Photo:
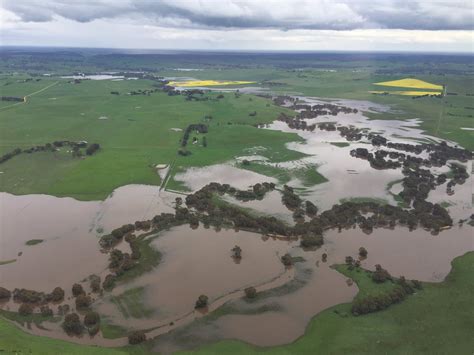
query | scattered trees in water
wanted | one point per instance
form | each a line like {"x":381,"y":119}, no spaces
{"x":137,"y":337}
{"x":201,"y":302}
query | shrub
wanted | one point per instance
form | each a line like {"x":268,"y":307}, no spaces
{"x":25,"y":309}
{"x":250,"y":292}
{"x":72,"y":324}
{"x":201,"y":301}
{"x":136,"y":337}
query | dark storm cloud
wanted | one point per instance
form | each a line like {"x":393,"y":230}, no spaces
{"x":279,"y":14}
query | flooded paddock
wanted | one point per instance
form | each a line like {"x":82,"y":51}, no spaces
{"x":69,"y":229}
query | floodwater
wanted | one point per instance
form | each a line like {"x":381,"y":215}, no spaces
{"x":70,"y":230}
{"x":199,"y":262}
{"x":196,"y":178}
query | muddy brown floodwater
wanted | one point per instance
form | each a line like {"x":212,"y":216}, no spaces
{"x":69,"y":229}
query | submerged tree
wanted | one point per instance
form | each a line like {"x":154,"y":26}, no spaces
{"x":202,"y":301}
{"x":237,"y":252}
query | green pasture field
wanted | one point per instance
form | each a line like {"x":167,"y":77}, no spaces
{"x":135,"y":134}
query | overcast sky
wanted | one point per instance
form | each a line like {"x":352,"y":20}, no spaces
{"x":393,"y":25}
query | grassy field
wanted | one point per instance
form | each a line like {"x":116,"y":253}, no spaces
{"x":135,"y":134}
{"x":437,"y":320}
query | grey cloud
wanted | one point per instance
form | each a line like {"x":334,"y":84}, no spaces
{"x":279,"y":14}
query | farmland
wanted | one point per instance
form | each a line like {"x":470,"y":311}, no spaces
{"x":228,"y":203}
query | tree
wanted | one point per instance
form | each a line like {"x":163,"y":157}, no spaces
{"x":380,"y":275}
{"x":77,"y":290}
{"x":91,"y":318}
{"x":202,"y":301}
{"x":4,"y":294}
{"x":83,"y":301}
{"x":92,"y":148}
{"x":109,"y":282}
{"x":363,"y":252}
{"x":237,"y":252}
{"x":250,"y":292}
{"x":72,"y":324}
{"x":324,"y":257}
{"x":46,"y":311}
{"x":349,"y":260}
{"x":57,"y":295}
{"x":95,"y":283}
{"x":137,"y":337}
{"x":287,"y":260}
{"x":311,"y":209}
{"x":25,"y":309}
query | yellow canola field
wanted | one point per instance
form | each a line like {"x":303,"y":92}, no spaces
{"x":411,"y":83}
{"x":207,"y":83}
{"x":407,"y":93}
